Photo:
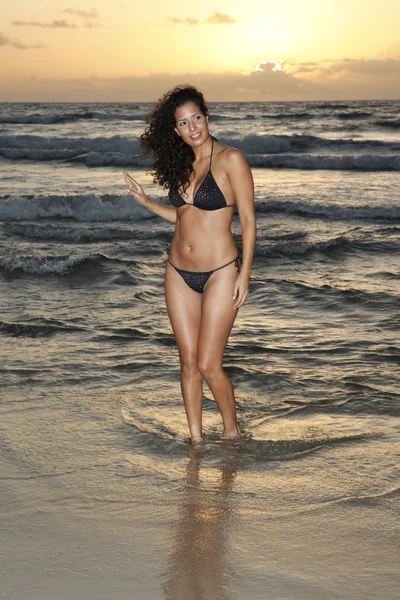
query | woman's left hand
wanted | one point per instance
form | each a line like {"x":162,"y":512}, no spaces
{"x":240,"y":290}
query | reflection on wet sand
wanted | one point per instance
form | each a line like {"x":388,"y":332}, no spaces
{"x":199,"y":562}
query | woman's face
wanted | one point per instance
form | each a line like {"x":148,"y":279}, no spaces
{"x":191,"y":124}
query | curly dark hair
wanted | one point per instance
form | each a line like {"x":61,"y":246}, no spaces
{"x":172,"y":157}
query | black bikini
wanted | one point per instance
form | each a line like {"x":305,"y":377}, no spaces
{"x":207,"y":197}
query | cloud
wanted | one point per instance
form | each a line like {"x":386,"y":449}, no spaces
{"x":221,"y":19}
{"x":184,"y":21}
{"x":91,"y":25}
{"x":61,"y":24}
{"x":6,"y":41}
{"x":86,"y":14}
{"x":272,"y":65}
{"x":351,"y":67}
{"x":362,"y":66}
{"x":215,"y":19}
{"x":271,"y":80}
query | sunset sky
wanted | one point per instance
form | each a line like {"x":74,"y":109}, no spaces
{"x":90,"y":50}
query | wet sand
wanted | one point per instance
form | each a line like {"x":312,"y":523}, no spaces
{"x":83,"y":521}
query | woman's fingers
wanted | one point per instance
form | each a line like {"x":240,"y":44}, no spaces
{"x":132,"y":183}
{"x":241,"y":296}
{"x":128,"y":177}
{"x":135,"y":189}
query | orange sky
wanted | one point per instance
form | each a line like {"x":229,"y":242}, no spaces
{"x":257,"y":50}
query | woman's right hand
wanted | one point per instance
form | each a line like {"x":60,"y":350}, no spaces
{"x":135,"y":189}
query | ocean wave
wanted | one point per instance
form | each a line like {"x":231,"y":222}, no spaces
{"x":391,"y":124}
{"x":366,"y":162}
{"x":106,"y":208}
{"x":340,"y":242}
{"x":83,"y":235}
{"x":61,"y":265}
{"x":331,"y":211}
{"x":36,"y":329}
{"x":298,"y":248}
{"x":90,"y":159}
{"x":121,"y":150}
{"x":115,"y":143}
{"x":329,"y":106}
{"x":48,"y":265}
{"x":349,"y":294}
{"x":80,"y":208}
{"x":355,"y":114}
{"x":51,"y":119}
{"x":290,"y":115}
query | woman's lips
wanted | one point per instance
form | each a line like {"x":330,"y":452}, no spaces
{"x":195,"y":136}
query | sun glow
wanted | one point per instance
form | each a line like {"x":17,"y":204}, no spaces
{"x":128,"y":50}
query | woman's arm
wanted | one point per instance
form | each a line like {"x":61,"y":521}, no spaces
{"x":243,"y":186}
{"x":136,"y":190}
{"x":165,"y":212}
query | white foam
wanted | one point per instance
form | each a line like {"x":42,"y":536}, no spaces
{"x":80,"y":207}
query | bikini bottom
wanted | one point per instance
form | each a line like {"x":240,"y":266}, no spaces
{"x":196,"y":280}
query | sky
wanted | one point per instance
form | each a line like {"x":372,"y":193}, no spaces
{"x":132,"y":51}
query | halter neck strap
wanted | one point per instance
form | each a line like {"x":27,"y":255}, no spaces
{"x":212,"y":148}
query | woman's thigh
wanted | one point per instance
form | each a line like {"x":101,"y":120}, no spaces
{"x":184,"y":311}
{"x":218,"y":316}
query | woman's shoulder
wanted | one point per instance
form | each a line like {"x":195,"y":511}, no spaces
{"x":230,"y":156}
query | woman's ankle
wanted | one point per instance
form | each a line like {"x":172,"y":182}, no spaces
{"x":231,"y":433}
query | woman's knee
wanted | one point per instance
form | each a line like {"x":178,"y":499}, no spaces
{"x":209,"y":369}
{"x":189,"y":365}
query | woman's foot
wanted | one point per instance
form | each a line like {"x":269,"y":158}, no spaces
{"x":235,"y":435}
{"x":196,"y":440}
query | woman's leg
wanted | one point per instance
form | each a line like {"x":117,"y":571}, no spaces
{"x":218,"y":316}
{"x":184,"y":311}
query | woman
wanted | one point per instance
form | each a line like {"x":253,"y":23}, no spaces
{"x":204,"y":285}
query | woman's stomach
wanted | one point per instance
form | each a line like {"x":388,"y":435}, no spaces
{"x":202,"y":239}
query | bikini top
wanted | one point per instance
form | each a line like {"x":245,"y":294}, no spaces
{"x":208,"y":195}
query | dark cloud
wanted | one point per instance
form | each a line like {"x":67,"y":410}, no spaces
{"x":215,"y":19}
{"x":91,"y":25}
{"x":221,"y":19}
{"x":6,"y":41}
{"x":184,"y":21}
{"x":60,"y":24}
{"x":86,"y":14}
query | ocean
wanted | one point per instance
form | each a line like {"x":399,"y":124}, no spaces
{"x":102,"y":495}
